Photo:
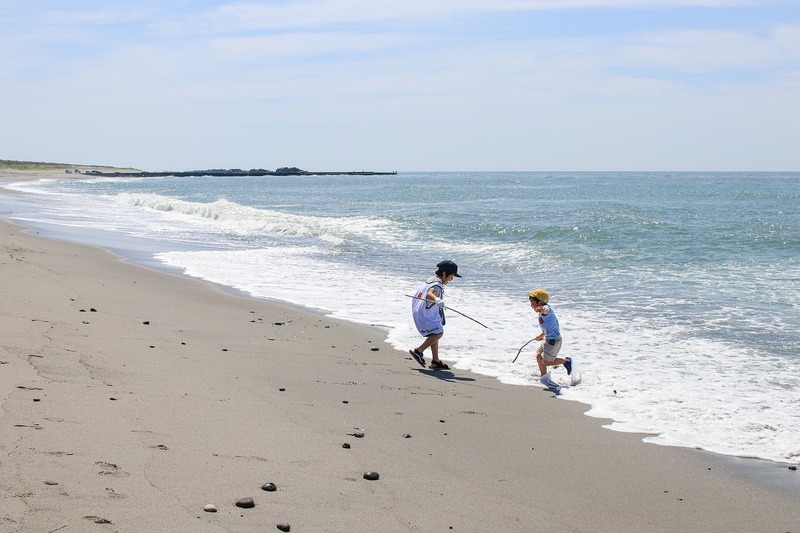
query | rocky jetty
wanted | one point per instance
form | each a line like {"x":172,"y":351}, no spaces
{"x":220,"y":172}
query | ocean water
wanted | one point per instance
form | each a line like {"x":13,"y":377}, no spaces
{"x":678,"y":294}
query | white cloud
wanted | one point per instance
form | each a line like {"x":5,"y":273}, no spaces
{"x":703,"y":51}
{"x":258,"y":16}
{"x":308,"y":44}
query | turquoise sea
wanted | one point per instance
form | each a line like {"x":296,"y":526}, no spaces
{"x":678,"y":294}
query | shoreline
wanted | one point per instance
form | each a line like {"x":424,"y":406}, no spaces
{"x":143,"y":424}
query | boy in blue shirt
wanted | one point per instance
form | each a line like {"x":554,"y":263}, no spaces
{"x":547,"y":354}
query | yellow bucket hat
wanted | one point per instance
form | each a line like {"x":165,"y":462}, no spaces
{"x":539,"y":294}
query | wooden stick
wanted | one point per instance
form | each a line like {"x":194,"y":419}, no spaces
{"x":451,"y":309}
{"x":520,"y":349}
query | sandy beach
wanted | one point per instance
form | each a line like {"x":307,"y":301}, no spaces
{"x":132,"y":398}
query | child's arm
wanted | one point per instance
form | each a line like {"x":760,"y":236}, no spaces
{"x":543,"y":309}
{"x":433,"y":297}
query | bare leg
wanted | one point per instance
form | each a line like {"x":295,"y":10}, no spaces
{"x":543,"y":363}
{"x":435,"y":349}
{"x":542,"y":367}
{"x":432,"y":342}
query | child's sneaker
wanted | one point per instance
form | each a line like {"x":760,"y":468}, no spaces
{"x":568,"y":365}
{"x":418,"y":357}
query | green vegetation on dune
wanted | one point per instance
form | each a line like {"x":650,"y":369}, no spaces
{"x":7,"y":164}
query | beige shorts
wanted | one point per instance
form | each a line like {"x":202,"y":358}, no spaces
{"x":549,"y":349}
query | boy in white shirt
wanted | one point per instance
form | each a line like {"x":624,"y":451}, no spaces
{"x":427,"y":308}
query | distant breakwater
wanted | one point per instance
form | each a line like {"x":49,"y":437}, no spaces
{"x":235,"y":172}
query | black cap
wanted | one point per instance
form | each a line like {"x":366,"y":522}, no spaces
{"x":448,"y":267}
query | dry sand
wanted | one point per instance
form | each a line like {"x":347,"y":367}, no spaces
{"x":132,"y":398}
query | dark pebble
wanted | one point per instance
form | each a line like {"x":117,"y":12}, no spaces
{"x":245,"y":503}
{"x":407,"y":436}
{"x":793,"y":467}
{"x":279,"y":323}
{"x":269,"y":487}
{"x":345,"y":401}
{"x":37,"y":400}
{"x":374,"y":348}
{"x":346,"y":445}
{"x":224,"y":349}
{"x":146,"y":322}
{"x":372,"y":476}
{"x":282,"y":389}
{"x":284,"y":527}
{"x":93,"y":310}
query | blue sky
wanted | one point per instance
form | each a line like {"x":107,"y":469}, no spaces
{"x":403,"y":85}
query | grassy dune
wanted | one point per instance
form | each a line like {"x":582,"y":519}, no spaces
{"x":32,"y":166}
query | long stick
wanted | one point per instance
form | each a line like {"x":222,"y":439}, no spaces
{"x":450,"y":309}
{"x":520,"y":349}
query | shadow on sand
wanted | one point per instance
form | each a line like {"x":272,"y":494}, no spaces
{"x":444,"y":375}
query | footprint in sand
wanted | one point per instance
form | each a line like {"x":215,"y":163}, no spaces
{"x":110,"y":469}
{"x":98,"y":519}
{"x":114,"y":494}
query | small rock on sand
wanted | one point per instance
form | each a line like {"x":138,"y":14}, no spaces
{"x":284,"y":527}
{"x":210,"y":508}
{"x":372,"y":476}
{"x":245,"y":503}
{"x":269,"y":487}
